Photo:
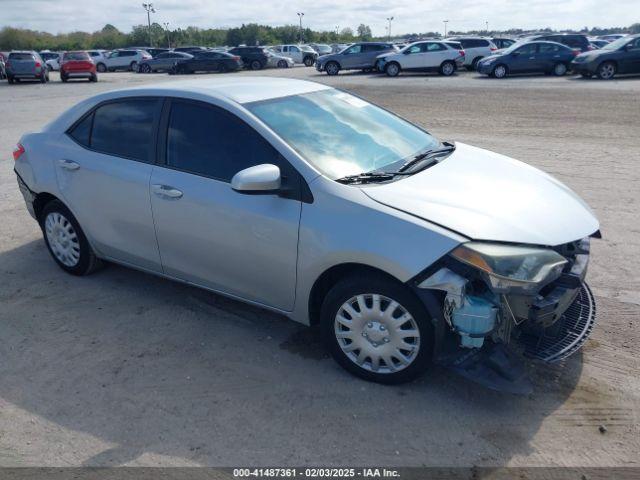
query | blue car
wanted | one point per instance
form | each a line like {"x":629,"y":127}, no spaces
{"x":531,"y":57}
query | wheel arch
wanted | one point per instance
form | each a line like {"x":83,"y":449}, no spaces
{"x":41,"y":200}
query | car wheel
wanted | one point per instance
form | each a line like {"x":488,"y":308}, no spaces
{"x":607,"y":70}
{"x":282,"y":64}
{"x":64,"y":78}
{"x":49,"y":67}
{"x":93,"y":78}
{"x":133,"y":66}
{"x":447,"y":69}
{"x":559,"y":69}
{"x":474,"y":64}
{"x":43,"y":78}
{"x":308,"y":61}
{"x":223,"y":68}
{"x":377,"y":329}
{"x":10,"y":80}
{"x":500,"y":71}
{"x":332,"y":68}
{"x":144,"y":68}
{"x":66,"y":241}
{"x":101,"y":67}
{"x":392,"y":69}
{"x":256,"y":65}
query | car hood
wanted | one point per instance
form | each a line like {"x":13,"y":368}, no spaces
{"x":486,"y":196}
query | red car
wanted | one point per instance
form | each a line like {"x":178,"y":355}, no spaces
{"x":77,"y":65}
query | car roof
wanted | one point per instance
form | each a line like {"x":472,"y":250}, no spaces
{"x":237,"y":89}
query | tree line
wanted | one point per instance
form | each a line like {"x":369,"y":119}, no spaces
{"x":109,"y":37}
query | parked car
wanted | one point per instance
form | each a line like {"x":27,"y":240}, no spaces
{"x":502,"y":42}
{"x":77,"y":65}
{"x":430,"y":56}
{"x":596,"y":43}
{"x":303,"y":54}
{"x":163,"y":62}
{"x":154,"y":52}
{"x":3,"y":72}
{"x":26,"y":65}
{"x":321,"y":48}
{"x":619,"y":56}
{"x":612,"y":37}
{"x":359,"y":56}
{"x":464,"y":247}
{"x":576,"y":41}
{"x":255,"y":58}
{"x":51,"y":59}
{"x":209,"y":62}
{"x":475,"y":48}
{"x":278,"y":60}
{"x":125,"y":59}
{"x":189,"y":49}
{"x":532,"y":57}
{"x":98,"y":57}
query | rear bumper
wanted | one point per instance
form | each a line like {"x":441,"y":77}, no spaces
{"x":86,"y":74}
{"x":28,"y":195}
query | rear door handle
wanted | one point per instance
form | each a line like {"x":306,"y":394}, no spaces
{"x":68,"y":165}
{"x":166,"y":191}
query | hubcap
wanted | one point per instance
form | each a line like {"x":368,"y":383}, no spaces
{"x":499,"y":72}
{"x":377,"y":333}
{"x":332,"y":69}
{"x":447,"y":69}
{"x":62,"y":239}
{"x":560,"y":69}
{"x":607,"y":71}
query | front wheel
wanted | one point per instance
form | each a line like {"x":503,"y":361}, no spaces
{"x":607,"y":71}
{"x":308,"y":61}
{"x":500,"y":71}
{"x":392,"y":69}
{"x":332,"y":68}
{"x":145,"y":68}
{"x":282,"y":64}
{"x":447,"y":69}
{"x":377,"y":329}
{"x":101,"y":67}
{"x":66,"y":241}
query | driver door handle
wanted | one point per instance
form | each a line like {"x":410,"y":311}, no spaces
{"x":68,"y":164}
{"x":165,"y":191}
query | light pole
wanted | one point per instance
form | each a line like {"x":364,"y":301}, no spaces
{"x":300,"y":15}
{"x":389,"y":31}
{"x":149,"y":8}
{"x":487,"y":24}
{"x":166,"y":27}
{"x":445,"y":27}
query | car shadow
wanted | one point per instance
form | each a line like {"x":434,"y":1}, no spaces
{"x":149,"y":367}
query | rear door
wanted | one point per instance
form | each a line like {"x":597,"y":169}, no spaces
{"x":103,"y":170}
{"x":434,"y":54}
{"x":209,"y":234}
{"x":630,"y":58}
{"x":549,"y":55}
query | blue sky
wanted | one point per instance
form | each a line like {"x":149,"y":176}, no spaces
{"x":410,"y":15}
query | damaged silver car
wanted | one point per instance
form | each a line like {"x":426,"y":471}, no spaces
{"x":314,"y":203}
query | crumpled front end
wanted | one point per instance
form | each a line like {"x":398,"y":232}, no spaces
{"x":503,"y":303}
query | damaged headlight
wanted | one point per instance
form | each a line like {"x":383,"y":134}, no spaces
{"x":510,"y":268}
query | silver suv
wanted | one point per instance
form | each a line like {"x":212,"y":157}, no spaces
{"x":359,"y":56}
{"x":403,"y":249}
{"x":475,"y":49}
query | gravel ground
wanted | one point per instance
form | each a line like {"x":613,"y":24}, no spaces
{"x":123,"y":368}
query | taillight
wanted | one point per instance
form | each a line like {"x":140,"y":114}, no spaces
{"x":576,"y":52}
{"x":38,"y":64}
{"x":236,"y":58}
{"x":461,"y":52}
{"x":493,"y":49}
{"x":18,"y":150}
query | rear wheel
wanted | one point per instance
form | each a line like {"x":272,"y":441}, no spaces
{"x":308,"y":61}
{"x":392,"y":69}
{"x":447,"y":68}
{"x":64,"y":78}
{"x":607,"y":71}
{"x":282,"y":64}
{"x":500,"y":71}
{"x":43,"y":77}
{"x":377,"y":329}
{"x":223,"y":68}
{"x":133,"y":66}
{"x":93,"y":78}
{"x":256,"y":65}
{"x":559,"y":69}
{"x":66,"y":241}
{"x":332,"y":68}
{"x":145,"y":68}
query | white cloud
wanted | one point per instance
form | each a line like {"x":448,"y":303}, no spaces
{"x":410,"y":15}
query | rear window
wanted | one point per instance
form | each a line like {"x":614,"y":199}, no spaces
{"x":21,"y":56}
{"x":474,"y":43}
{"x":76,"y":56}
{"x":456,"y":45}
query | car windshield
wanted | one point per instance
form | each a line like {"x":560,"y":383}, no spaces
{"x":616,"y":44}
{"x":340,"y":134}
{"x":76,"y":56}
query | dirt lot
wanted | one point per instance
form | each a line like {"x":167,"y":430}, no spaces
{"x":122,"y":368}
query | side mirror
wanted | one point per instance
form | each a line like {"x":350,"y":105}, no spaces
{"x":264,"y":179}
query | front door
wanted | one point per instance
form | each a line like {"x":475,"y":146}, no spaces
{"x":209,"y":234}
{"x":630,"y":59}
{"x":104,"y":178}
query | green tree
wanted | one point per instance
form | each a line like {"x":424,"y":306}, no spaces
{"x":364,"y":32}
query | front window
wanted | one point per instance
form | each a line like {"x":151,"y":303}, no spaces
{"x":621,"y":42}
{"x":340,"y":134}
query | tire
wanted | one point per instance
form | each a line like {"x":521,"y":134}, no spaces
{"x":283,"y":64}
{"x":392,"y":69}
{"x":256,"y":65}
{"x":308,"y":61}
{"x":49,"y":67}
{"x":66,"y":241}
{"x":133,"y":66}
{"x":223,"y":68}
{"x":447,"y":68}
{"x":559,"y":69}
{"x":64,"y":78}
{"x":500,"y":71}
{"x":144,"y":68}
{"x":332,"y":68}
{"x":10,"y":80}
{"x":101,"y":67}
{"x":43,"y":78}
{"x":376,"y":336}
{"x":474,"y":64}
{"x":607,"y":70}
{"x":93,"y":78}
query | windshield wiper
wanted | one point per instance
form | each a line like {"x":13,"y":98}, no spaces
{"x":429,"y":154}
{"x":367,"y":177}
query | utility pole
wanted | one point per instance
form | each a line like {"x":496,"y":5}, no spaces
{"x":300,"y":15}
{"x":445,"y":27}
{"x":487,"y":24}
{"x":166,"y":27}
{"x":149,"y":8}
{"x":389,"y":31}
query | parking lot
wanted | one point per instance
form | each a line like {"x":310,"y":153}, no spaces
{"x":124,"y":368}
